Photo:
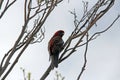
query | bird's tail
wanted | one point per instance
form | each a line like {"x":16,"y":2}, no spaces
{"x":54,"y":61}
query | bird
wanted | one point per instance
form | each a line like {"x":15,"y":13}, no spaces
{"x":55,"y":46}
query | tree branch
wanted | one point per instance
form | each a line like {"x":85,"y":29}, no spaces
{"x":6,"y":6}
{"x":85,"y":58}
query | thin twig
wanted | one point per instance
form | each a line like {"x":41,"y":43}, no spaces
{"x":85,"y":58}
{"x":6,"y":7}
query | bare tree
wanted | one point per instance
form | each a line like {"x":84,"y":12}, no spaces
{"x":40,"y":12}
{"x":34,"y":34}
{"x":81,"y":31}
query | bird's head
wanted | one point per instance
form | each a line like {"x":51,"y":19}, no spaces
{"x":59,"y":33}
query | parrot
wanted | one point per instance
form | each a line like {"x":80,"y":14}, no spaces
{"x":55,"y":46}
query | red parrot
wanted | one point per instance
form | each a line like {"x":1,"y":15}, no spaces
{"x":55,"y":46}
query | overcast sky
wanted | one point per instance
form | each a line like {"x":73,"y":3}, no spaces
{"x":103,"y":53}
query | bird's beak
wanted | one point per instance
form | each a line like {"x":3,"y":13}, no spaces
{"x":63,"y":33}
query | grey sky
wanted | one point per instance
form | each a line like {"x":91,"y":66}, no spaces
{"x":103,"y":53}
